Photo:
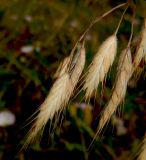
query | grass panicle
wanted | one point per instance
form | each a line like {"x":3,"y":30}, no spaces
{"x":100,"y":65}
{"x":69,"y":72}
{"x":67,"y":77}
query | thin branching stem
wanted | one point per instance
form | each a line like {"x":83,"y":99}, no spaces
{"x":131,"y":34}
{"x":99,"y":18}
{"x":132,"y":26}
{"x":92,"y":24}
{"x":121,"y":20}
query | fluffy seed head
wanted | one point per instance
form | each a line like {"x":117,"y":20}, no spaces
{"x":58,"y":97}
{"x":100,"y":65}
{"x":125,"y":71}
{"x":60,"y":92}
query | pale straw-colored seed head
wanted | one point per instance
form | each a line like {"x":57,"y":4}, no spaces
{"x":58,"y":97}
{"x":100,"y":65}
{"x":125,"y":71}
{"x":59,"y":94}
{"x":142,"y":155}
{"x":125,"y":61}
{"x":141,"y":48}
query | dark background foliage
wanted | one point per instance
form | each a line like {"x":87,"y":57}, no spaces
{"x":35,"y":36}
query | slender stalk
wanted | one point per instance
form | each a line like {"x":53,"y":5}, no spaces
{"x":132,"y":26}
{"x":99,"y":18}
{"x":121,"y":20}
{"x":131,"y":34}
{"x":92,"y":24}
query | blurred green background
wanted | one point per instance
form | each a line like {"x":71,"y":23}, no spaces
{"x":35,"y":36}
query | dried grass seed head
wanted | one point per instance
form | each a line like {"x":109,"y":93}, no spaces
{"x":100,"y":65}
{"x":58,"y":97}
{"x":125,"y":71}
{"x":59,"y":94}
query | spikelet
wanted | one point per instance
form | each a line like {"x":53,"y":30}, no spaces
{"x":125,"y":70}
{"x":141,"y":48}
{"x":55,"y":101}
{"x":62,"y":67}
{"x":142,"y":155}
{"x":100,"y":65}
{"x":59,"y":94}
{"x":77,"y":64}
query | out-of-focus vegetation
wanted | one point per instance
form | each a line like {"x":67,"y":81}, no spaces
{"x":34,"y":37}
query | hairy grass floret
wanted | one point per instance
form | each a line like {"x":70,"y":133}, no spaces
{"x":100,"y":65}
{"x":60,"y":92}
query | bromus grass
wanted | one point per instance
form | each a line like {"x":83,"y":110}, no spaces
{"x":69,"y":72}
